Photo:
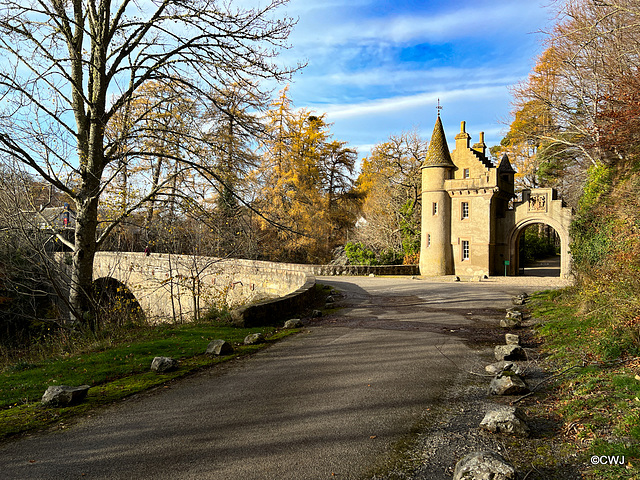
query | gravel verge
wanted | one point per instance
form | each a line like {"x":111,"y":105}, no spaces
{"x":450,"y":431}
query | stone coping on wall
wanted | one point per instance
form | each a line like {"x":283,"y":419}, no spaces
{"x":269,"y":312}
{"x":330,"y":270}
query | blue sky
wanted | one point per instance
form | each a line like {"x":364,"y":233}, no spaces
{"x":377,"y":67}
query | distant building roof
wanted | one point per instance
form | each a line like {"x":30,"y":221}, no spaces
{"x":55,"y":217}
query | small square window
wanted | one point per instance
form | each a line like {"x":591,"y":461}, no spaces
{"x":435,"y":208}
{"x":465,"y":173}
{"x":465,"y":210}
{"x":465,"y":250}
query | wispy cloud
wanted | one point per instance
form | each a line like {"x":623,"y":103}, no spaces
{"x":469,"y":22}
{"x":396,"y":104}
{"x":419,"y":79}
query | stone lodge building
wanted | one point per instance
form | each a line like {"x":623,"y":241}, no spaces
{"x":469,"y":227}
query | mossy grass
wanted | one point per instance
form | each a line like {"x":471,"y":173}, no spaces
{"x":115,"y":367}
{"x":598,"y":402}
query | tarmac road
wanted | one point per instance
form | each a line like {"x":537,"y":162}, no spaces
{"x":328,"y":403}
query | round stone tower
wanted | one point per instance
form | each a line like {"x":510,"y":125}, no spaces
{"x":435,"y":246}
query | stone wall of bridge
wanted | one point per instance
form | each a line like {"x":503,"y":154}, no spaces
{"x":174,"y":286}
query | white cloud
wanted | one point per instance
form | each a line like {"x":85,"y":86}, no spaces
{"x":412,"y":80}
{"x":400,"y":103}
{"x":420,"y":26}
{"x":364,"y":149}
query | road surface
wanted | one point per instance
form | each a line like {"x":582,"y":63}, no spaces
{"x":328,"y":403}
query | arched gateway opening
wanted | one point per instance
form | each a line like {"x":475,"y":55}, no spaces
{"x":549,"y":258}
{"x":116,"y":304}
{"x":539,"y":251}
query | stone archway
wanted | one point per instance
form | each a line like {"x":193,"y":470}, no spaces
{"x":519,"y":228}
{"x":540,"y":205}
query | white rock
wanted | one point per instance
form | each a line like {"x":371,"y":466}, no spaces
{"x":509,"y":420}
{"x":163,"y":364}
{"x":483,"y":465}
{"x":293,"y":323}
{"x":253,"y":339}
{"x":502,"y":366}
{"x":64,"y":395}
{"x":508,"y":383}
{"x":509,"y":352}
{"x":219,"y":347}
{"x":512,"y":339}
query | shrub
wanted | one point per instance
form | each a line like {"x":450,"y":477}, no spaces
{"x":359,"y":254}
{"x":390,"y":257}
{"x":26,"y":304}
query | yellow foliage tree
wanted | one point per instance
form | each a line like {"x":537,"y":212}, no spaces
{"x":390,"y":184}
{"x":303,"y":179}
{"x":158,"y":128}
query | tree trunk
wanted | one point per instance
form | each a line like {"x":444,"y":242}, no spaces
{"x":80,"y":295}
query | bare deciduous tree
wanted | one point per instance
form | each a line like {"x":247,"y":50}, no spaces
{"x":587,"y":80}
{"x":71,"y":66}
{"x":391,"y":181}
{"x":31,"y":228}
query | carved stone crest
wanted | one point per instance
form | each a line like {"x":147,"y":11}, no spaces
{"x":538,"y":203}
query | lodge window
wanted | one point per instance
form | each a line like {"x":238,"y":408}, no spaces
{"x":465,"y":250}
{"x":465,"y":173}
{"x":435,"y":208}
{"x":465,"y":210}
{"x":428,"y":240}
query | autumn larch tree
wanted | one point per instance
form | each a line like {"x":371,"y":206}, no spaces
{"x":303,"y":185}
{"x":70,"y":66}
{"x":235,"y":126}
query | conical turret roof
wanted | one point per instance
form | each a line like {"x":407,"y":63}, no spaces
{"x":438,"y":154}
{"x":505,"y":165}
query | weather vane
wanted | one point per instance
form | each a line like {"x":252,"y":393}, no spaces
{"x":439,"y":107}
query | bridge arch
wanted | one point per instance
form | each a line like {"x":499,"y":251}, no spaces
{"x":117,"y":305}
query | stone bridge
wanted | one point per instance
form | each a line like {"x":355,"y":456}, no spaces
{"x":174,"y":287}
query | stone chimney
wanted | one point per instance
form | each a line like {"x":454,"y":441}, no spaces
{"x":480,"y":147}
{"x":462,"y":139}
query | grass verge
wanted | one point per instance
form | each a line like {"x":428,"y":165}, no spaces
{"x":114,"y":368}
{"x":597,"y":401}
